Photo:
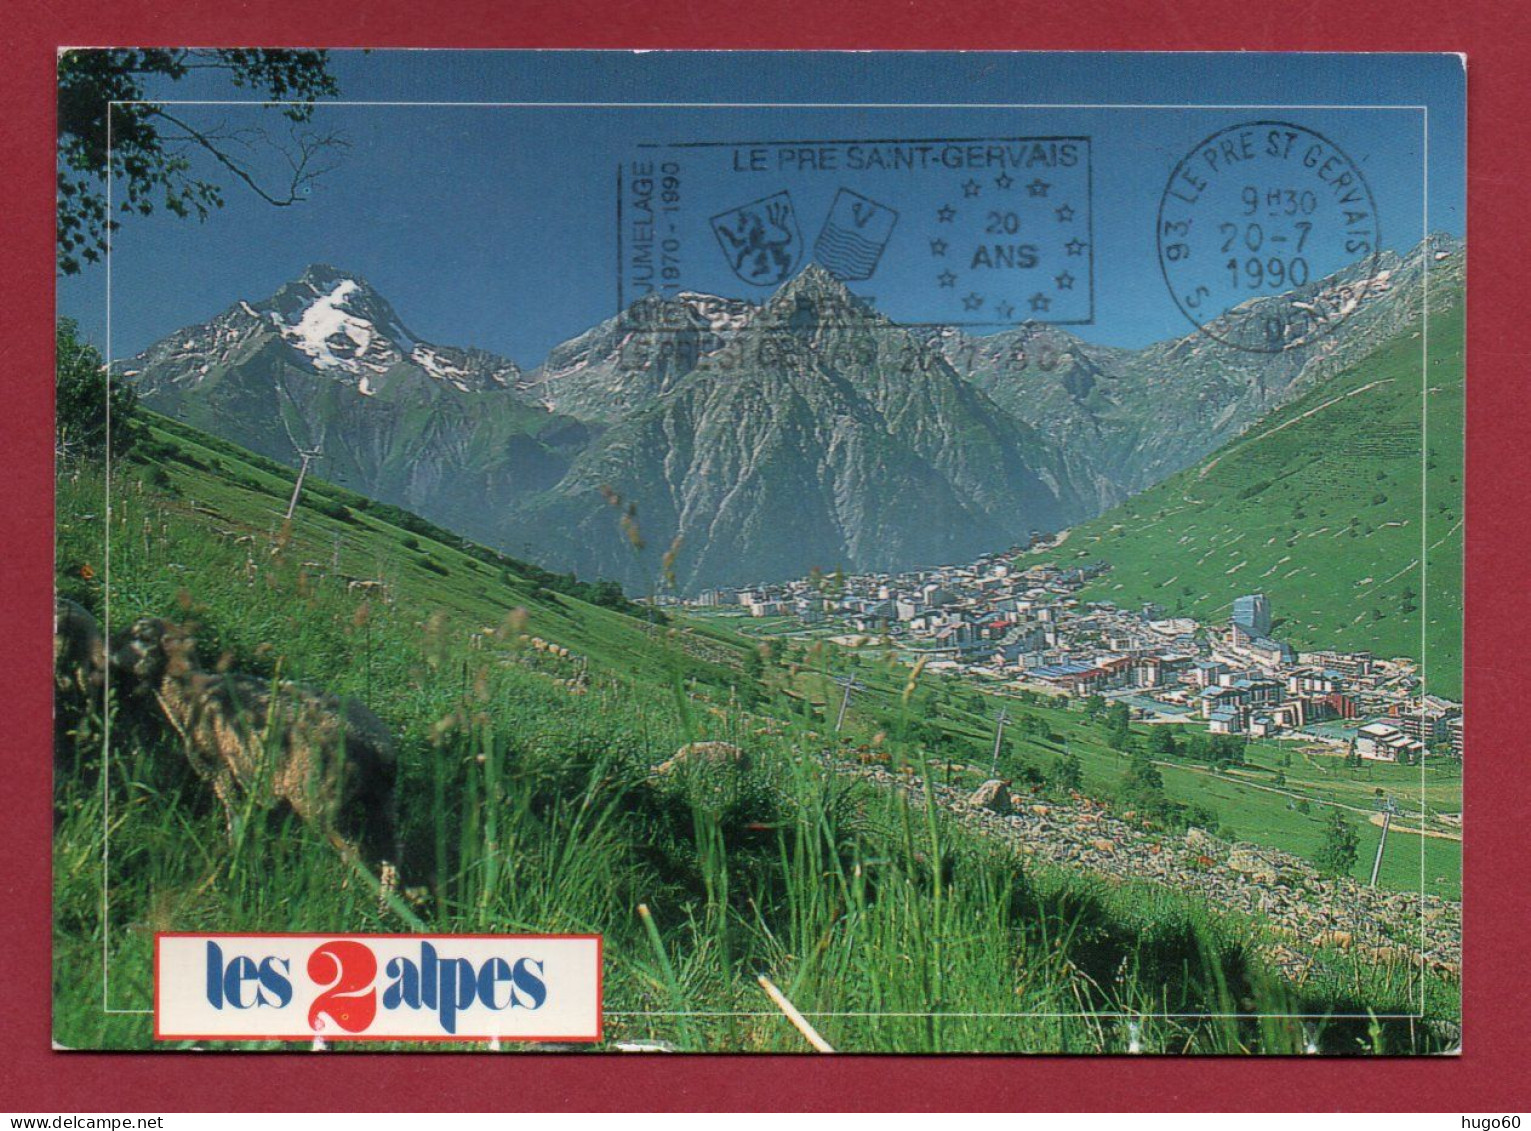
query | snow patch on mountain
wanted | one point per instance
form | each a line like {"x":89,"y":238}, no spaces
{"x":336,"y":326}
{"x":432,"y":362}
{"x":325,"y":326}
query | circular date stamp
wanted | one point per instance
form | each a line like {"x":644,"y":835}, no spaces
{"x":1260,"y":210}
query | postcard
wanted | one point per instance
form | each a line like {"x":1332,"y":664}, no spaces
{"x":765,"y":552}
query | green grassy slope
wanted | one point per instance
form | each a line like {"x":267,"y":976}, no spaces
{"x":1333,"y":506}
{"x":1248,"y":801}
{"x":208,"y":540}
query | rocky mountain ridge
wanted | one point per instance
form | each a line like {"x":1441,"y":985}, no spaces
{"x":768,"y":437}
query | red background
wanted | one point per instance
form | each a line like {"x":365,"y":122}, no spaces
{"x":1497,"y":39}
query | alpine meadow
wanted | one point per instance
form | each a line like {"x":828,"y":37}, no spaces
{"x":532,"y":710}
{"x":954,"y":600}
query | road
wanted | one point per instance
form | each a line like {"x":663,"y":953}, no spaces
{"x":1369,"y":813}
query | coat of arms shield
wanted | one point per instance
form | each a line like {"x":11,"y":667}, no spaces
{"x":760,"y":240}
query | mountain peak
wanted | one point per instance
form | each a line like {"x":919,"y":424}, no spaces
{"x":341,"y":328}
{"x":323,"y":274}
{"x":1440,"y":245}
{"x":337,"y":320}
{"x":815,"y":298}
{"x":818,"y":281}
{"x":321,"y":282}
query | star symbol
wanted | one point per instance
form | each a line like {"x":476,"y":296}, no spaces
{"x":938,"y":247}
{"x":970,"y":187}
{"x":945,"y":213}
{"x":1040,"y":301}
{"x":1038,"y":187}
{"x":1004,"y":310}
{"x":1076,"y":246}
{"x":1004,"y":180}
{"x":947,"y":278}
{"x":1065,"y":213}
{"x":972,"y":301}
{"x":1065,"y":281}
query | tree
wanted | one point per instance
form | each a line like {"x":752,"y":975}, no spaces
{"x":1337,"y":854}
{"x":1161,"y":741}
{"x":1030,"y":776}
{"x":1228,"y":748}
{"x":82,"y":393}
{"x":1030,"y":726}
{"x":1118,"y":725}
{"x":1068,"y":774}
{"x":607,"y":593}
{"x":1143,"y":781}
{"x":1203,"y":817}
{"x":1197,"y":745}
{"x":105,"y":119}
{"x":1142,"y":790}
{"x":754,"y":664}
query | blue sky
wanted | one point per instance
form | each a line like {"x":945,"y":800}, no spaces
{"x":497,"y":226}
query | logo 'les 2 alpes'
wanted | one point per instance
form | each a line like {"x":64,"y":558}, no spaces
{"x":350,"y":969}
{"x":373,"y":987}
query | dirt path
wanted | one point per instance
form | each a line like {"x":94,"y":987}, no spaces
{"x":1240,"y":780}
{"x":1370,"y":814}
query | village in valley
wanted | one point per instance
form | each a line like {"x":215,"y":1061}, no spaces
{"x":1024,"y":627}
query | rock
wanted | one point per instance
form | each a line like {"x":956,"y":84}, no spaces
{"x":993,"y":795}
{"x":1292,"y":963}
{"x":1305,"y":911}
{"x":722,"y":754}
{"x":1202,"y":842}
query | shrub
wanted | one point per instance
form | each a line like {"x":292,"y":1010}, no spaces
{"x":1337,"y":855}
{"x":1068,"y":773}
{"x":82,"y":393}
